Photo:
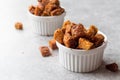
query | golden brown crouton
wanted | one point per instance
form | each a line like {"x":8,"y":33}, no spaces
{"x":44,"y":2}
{"x":18,"y":25}
{"x":91,"y":32}
{"x":45,"y":13}
{"x":32,"y":9}
{"x":55,"y":2}
{"x":66,"y":23}
{"x":85,"y":44}
{"x":41,"y":6}
{"x":69,"y":41}
{"x":69,"y":27}
{"x":45,"y":51}
{"x":58,"y":35}
{"x":52,"y":44}
{"x":39,"y":0}
{"x":38,"y":11}
{"x":57,"y":11}
{"x":49,"y":7}
{"x":98,"y":39}
{"x":78,"y":31}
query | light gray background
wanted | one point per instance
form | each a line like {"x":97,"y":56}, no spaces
{"x":20,"y":58}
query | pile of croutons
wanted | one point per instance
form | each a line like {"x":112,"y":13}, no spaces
{"x":47,"y":8}
{"x":76,"y":36}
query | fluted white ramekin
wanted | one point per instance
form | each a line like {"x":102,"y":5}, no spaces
{"x":81,"y":60}
{"x":46,"y":25}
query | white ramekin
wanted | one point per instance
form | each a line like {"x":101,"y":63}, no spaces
{"x":81,"y":60}
{"x":46,"y":25}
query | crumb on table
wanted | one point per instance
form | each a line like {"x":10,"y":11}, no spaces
{"x":18,"y":25}
{"x":45,"y":52}
{"x":112,"y":67}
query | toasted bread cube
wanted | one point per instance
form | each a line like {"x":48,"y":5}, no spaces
{"x":40,"y":5}
{"x":112,"y":67}
{"x":98,"y":39}
{"x":52,"y":44}
{"x":38,"y":11}
{"x":65,"y":24}
{"x":32,"y":9}
{"x":57,"y":11}
{"x":57,"y":2}
{"x":45,"y":52}
{"x":49,"y":7}
{"x":85,"y":44}
{"x":58,"y":35}
{"x":44,"y":2}
{"x":45,"y":13}
{"x":91,"y":32}
{"x":69,"y":27}
{"x":18,"y":25}
{"x":39,"y":0}
{"x":78,"y":31}
{"x":69,"y":41}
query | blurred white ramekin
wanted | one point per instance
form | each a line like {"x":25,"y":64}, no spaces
{"x":46,"y":25}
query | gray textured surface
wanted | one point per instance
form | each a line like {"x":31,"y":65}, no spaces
{"x":19,"y":55}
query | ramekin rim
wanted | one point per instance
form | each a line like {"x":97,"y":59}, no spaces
{"x":63,"y":14}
